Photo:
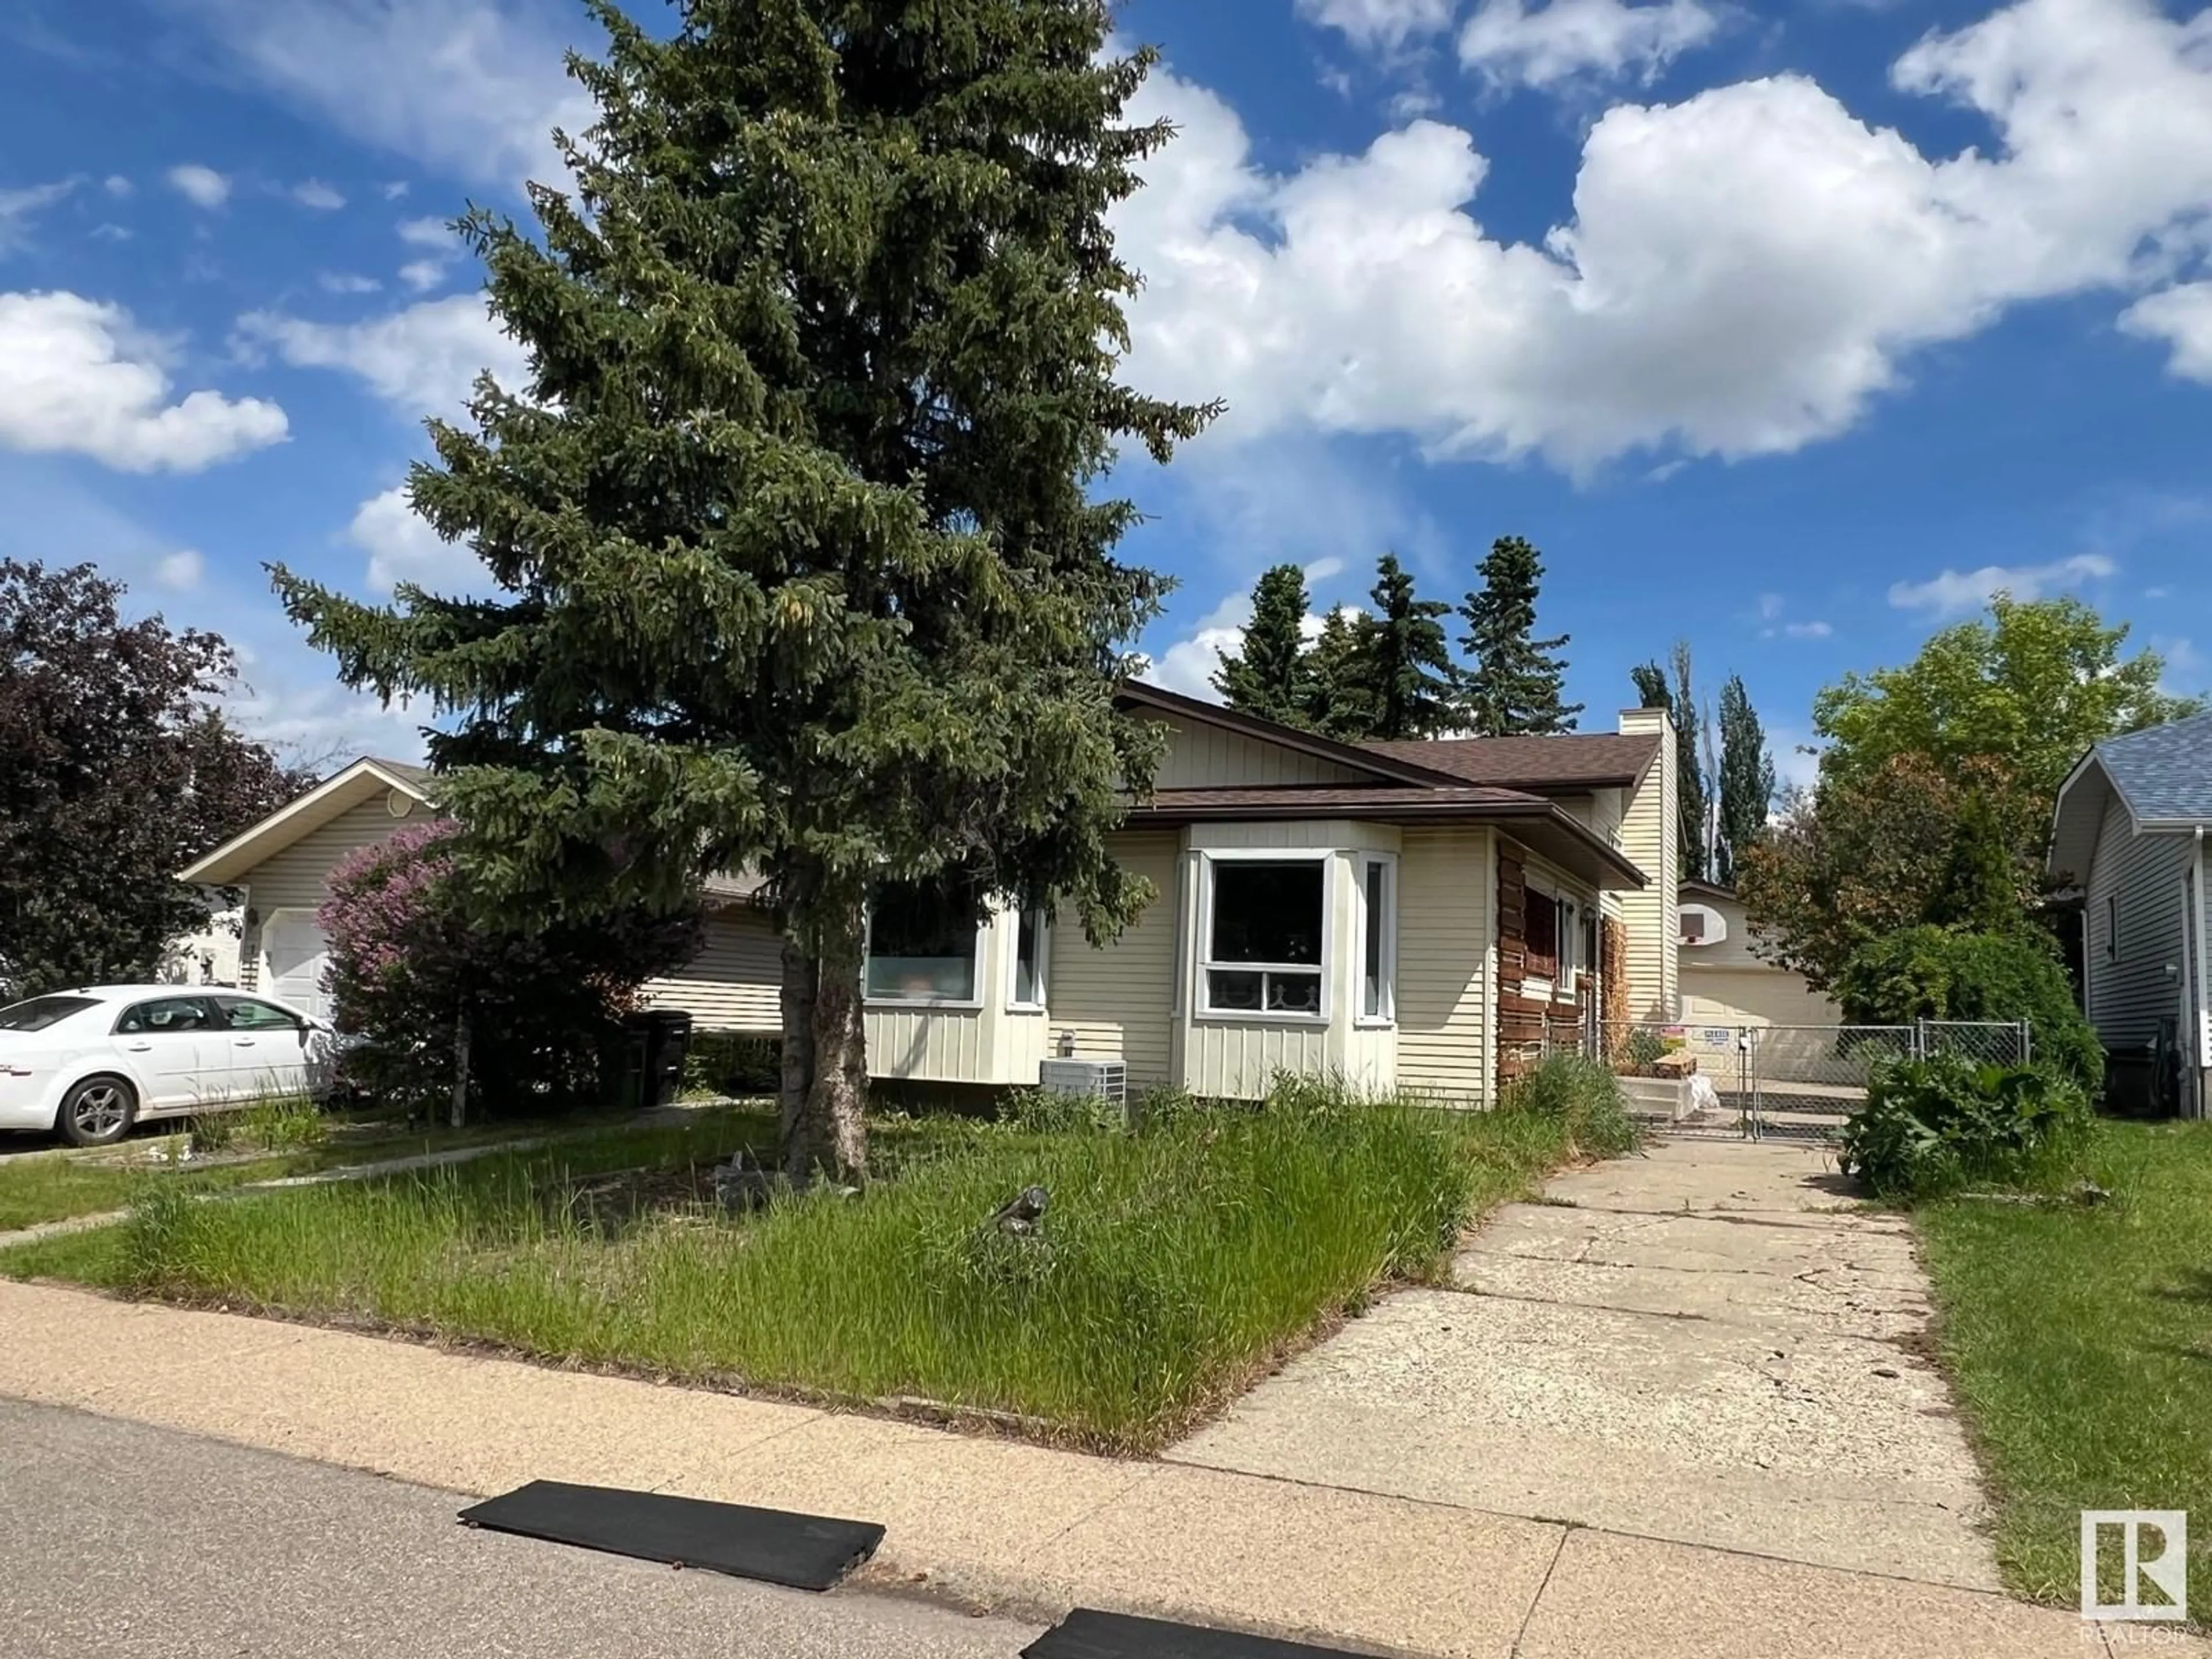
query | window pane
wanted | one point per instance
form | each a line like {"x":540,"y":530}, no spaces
{"x":1267,"y":912}
{"x":1294,"y":994}
{"x":1233,"y":992}
{"x":920,"y":948}
{"x":1029,"y":959}
{"x":41,"y":1012}
{"x":246,"y":1015}
{"x":1370,"y":993}
{"x":170,"y":1014}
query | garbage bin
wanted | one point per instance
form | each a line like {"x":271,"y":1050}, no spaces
{"x":621,"y":1067}
{"x":667,"y":1039}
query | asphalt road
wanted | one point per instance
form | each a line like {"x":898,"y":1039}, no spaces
{"x":123,"y":1541}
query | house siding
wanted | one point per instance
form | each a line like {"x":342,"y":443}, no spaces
{"x":735,"y":984}
{"x":2130,"y":990}
{"x":298,"y":877}
{"x":1207,"y":756}
{"x":1446,"y":970}
{"x":1117,"y":1001}
{"x":1652,"y":915}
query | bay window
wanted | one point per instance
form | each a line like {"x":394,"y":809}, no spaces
{"x":921,"y":946}
{"x":1263,"y":937}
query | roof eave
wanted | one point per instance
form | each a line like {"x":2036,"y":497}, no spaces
{"x":221,"y":868}
{"x":1288,"y":737}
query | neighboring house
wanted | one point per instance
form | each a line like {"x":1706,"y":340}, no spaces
{"x":209,"y":957}
{"x":2129,"y":832}
{"x":1724,"y":983}
{"x":1408,"y":914}
{"x":283,"y":867}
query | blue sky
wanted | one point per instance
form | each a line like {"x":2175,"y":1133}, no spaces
{"x":1793,"y":331}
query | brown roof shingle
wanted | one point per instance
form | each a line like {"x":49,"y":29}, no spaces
{"x":1578,"y":761}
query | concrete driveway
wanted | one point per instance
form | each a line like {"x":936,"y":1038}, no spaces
{"x":1708,"y":1345}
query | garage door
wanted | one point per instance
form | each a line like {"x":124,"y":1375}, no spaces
{"x":1754,"y":996}
{"x":296,"y":953}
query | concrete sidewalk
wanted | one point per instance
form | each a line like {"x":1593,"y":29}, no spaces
{"x":997,"y":1524}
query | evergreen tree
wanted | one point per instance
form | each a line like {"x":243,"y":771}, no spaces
{"x":1679,"y":699}
{"x":1747,"y":779}
{"x":800,"y":570}
{"x":1513,"y":683}
{"x":1401,"y":662}
{"x":1337,"y":698}
{"x":1272,"y":675}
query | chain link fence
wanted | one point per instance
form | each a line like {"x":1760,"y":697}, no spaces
{"x":1798,"y":1082}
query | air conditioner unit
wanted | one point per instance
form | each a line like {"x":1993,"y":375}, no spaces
{"x":1088,"y":1079}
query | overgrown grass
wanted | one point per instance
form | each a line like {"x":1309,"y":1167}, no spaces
{"x":2081,"y":1340}
{"x":1172,"y":1264}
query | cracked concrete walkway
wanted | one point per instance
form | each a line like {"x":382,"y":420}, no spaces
{"x":1709,"y":1345}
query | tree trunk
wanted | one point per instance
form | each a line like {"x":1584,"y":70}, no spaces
{"x":801,"y":975}
{"x":460,"y":1113}
{"x":830,"y":1134}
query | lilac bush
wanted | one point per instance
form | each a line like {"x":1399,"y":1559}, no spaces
{"x":409,"y":969}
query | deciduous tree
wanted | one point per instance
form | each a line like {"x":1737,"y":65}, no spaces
{"x":1511,"y":685}
{"x":1747,"y":779}
{"x":799,"y":563}
{"x":1691,"y":798}
{"x":116,"y":771}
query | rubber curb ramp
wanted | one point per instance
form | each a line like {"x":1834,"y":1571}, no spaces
{"x":1087,"y":1633}
{"x":804,"y":1551}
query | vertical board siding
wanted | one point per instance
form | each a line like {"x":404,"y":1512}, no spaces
{"x":1444,"y":937}
{"x":1118,"y":1001}
{"x":1231,"y":1060}
{"x":1206,"y":756}
{"x":956,"y":1045}
{"x":734,"y":982}
{"x":2130,"y":993}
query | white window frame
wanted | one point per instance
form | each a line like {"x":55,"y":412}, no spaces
{"x":874,"y":1000}
{"x":1387,"y":968}
{"x":1203,"y":1003}
{"x":1015,"y":1004}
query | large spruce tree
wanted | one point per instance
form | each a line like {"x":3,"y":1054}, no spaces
{"x":1337,"y":699}
{"x":1402,"y":667}
{"x":1271,"y":673}
{"x":1746,"y":782}
{"x":1511,"y":684}
{"x":800,"y":568}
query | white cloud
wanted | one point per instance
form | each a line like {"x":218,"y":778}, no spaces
{"x":1769,"y":607}
{"x":314,"y":193}
{"x":430,"y":231}
{"x":1189,"y":664}
{"x":394,"y":190}
{"x":180,"y":572}
{"x":110,"y":233}
{"x":473,"y":87}
{"x":116,"y":185}
{"x":17,"y":208}
{"x":401,"y":547}
{"x":1600,"y":39}
{"x":1957,"y":593}
{"x":1807,"y":630}
{"x":76,"y":376}
{"x":423,"y":275}
{"x":347,"y":281}
{"x":423,"y":361}
{"x":1744,"y":272}
{"x":202,"y":186}
{"x":1380,"y":25}
{"x":436,"y":235}
{"x":2181,"y":317}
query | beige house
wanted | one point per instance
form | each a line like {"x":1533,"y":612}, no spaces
{"x":1724,"y":982}
{"x":1409,"y":914}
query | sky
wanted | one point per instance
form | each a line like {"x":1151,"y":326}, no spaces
{"x":1793,"y":330}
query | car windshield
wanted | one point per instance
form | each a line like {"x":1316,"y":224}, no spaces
{"x":41,"y":1012}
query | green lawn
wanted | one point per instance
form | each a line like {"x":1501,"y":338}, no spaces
{"x":1174,"y":1264}
{"x":2081,"y":1342}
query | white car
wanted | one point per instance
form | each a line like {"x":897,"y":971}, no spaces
{"x":90,"y":1063}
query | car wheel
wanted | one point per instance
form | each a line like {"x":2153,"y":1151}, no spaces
{"x":98,"y":1112}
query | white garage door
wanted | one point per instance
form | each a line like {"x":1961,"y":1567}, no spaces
{"x":296,"y":953}
{"x":1754,"y":996}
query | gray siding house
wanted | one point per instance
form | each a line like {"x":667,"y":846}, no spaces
{"x":2129,"y":831}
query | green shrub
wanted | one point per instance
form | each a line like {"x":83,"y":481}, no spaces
{"x":1582,"y":1095}
{"x":1933,"y":972}
{"x":732,"y":1063}
{"x":1931,"y":1126}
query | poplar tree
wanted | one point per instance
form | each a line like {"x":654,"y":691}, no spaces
{"x":798,"y":566}
{"x":1678,"y":699}
{"x":1747,"y":779}
{"x":1271,"y":674}
{"x":1512,"y":684}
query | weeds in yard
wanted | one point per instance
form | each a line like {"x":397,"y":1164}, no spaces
{"x":1173,"y":1262}
{"x":1583,"y":1097}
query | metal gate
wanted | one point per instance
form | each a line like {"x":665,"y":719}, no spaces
{"x":1786,"y":1082}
